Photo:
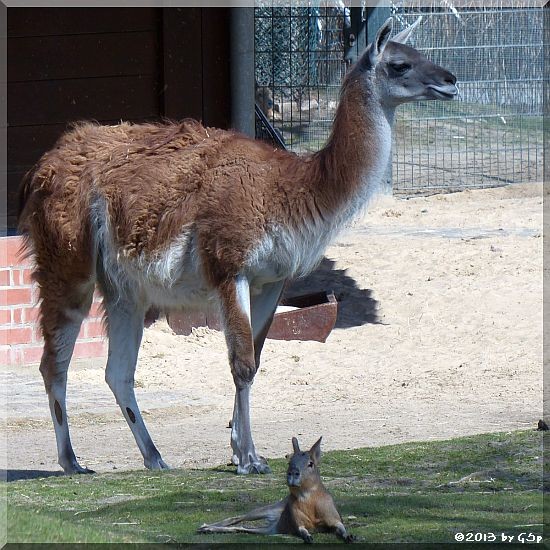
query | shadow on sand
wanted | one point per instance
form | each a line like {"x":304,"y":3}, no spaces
{"x":16,"y":475}
{"x":356,"y":307}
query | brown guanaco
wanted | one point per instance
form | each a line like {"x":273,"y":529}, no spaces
{"x":178,"y":215}
{"x":308,"y":508}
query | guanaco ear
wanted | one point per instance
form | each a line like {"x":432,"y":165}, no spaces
{"x":295,"y":445}
{"x":382,"y":38}
{"x":315,"y":451}
{"x":404,"y":35}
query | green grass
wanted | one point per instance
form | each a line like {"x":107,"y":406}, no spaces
{"x":415,"y":492}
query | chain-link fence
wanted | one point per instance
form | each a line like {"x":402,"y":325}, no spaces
{"x":299,"y":69}
{"x":491,"y":136}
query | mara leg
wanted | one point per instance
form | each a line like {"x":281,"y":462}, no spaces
{"x":62,"y":314}
{"x":125,"y":328}
{"x":271,"y":513}
{"x":235,"y":529}
{"x":235,"y":306}
{"x":341,"y":532}
{"x":303,"y":533}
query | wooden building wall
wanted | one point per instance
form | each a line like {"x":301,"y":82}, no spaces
{"x":109,"y":64}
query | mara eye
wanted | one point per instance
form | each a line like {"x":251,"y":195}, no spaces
{"x":400,"y":67}
{"x":311,"y":464}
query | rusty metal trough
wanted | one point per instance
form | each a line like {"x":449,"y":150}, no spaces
{"x":311,"y":317}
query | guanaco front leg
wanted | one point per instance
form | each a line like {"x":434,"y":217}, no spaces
{"x":263,"y":308}
{"x":235,"y":305}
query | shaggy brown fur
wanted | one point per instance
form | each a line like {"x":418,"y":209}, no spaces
{"x":157,"y":179}
{"x":170,"y":213}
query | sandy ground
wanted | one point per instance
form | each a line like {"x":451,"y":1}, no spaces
{"x":439,"y":334}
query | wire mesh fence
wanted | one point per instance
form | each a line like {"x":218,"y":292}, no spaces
{"x":299,"y":69}
{"x":491,"y":136}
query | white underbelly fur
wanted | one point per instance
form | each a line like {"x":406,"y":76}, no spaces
{"x":175,"y":277}
{"x":171,"y":278}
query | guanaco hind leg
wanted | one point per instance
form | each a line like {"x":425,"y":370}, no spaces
{"x":262,"y":309}
{"x":125,"y":329}
{"x":62,"y":313}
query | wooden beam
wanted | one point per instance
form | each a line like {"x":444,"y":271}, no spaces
{"x":182,"y":88}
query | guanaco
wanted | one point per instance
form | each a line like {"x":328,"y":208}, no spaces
{"x":179,"y":215}
{"x":309,"y":507}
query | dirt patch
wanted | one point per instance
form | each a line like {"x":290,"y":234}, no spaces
{"x":439,"y":335}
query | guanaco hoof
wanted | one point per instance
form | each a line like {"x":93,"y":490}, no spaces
{"x":76,"y":468}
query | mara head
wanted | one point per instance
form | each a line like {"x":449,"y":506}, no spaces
{"x":402,"y":74}
{"x":303,"y":467}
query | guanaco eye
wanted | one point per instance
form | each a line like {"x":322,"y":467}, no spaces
{"x":311,"y":464}
{"x":400,"y":67}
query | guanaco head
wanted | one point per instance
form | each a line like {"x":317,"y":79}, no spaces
{"x":401,"y":73}
{"x":303,"y":468}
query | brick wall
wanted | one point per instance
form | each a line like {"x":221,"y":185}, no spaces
{"x":20,"y":338}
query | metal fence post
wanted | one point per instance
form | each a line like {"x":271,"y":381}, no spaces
{"x":354,"y":35}
{"x":242,"y":70}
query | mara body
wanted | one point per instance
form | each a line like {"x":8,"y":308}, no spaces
{"x":308,"y":508}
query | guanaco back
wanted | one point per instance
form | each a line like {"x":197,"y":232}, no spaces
{"x":307,"y":509}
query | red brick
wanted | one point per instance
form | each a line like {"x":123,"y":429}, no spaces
{"x":15,"y":296}
{"x":90,"y":349}
{"x":10,"y":251}
{"x":5,"y":316}
{"x":5,"y":277}
{"x":20,"y":335}
{"x":30,"y":314}
{"x":93,"y":329}
{"x":5,"y":355}
{"x":23,"y":277}
{"x":17,"y":316}
{"x":96,"y":311}
{"x":30,"y":354}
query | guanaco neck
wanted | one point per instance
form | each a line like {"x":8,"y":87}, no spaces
{"x":355,"y":158}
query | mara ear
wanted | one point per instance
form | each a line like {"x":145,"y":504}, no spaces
{"x":403,"y":36}
{"x":315,"y":451}
{"x":295,"y":445}
{"x":382,"y":38}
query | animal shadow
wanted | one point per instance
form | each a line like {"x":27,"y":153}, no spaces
{"x":16,"y":475}
{"x":356,"y":306}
